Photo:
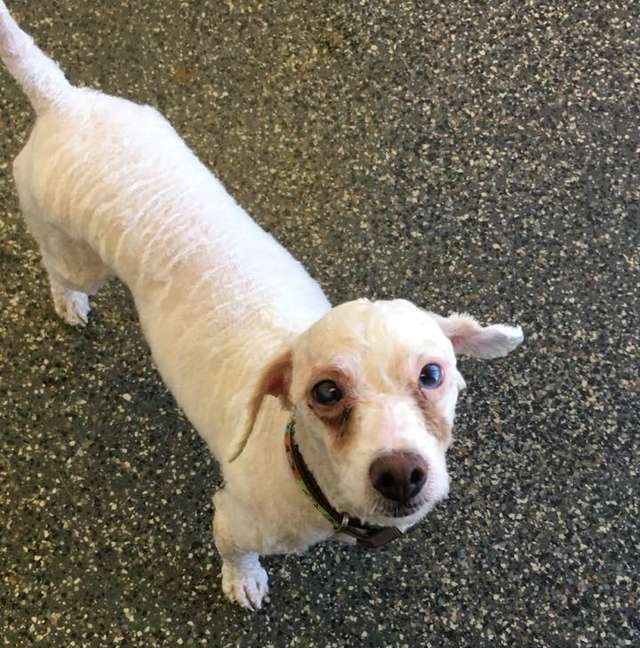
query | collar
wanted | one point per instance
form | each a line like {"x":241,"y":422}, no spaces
{"x":365,"y":534}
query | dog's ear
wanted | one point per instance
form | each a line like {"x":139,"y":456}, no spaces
{"x":469,"y":338}
{"x":275,"y":381}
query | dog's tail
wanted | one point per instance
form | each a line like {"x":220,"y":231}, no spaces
{"x":41,"y":78}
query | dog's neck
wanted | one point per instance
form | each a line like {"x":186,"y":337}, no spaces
{"x":319,"y":463}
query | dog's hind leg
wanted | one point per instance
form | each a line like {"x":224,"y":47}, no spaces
{"x":75,"y":271}
{"x":72,"y":306}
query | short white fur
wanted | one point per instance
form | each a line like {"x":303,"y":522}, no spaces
{"x":107,"y":187}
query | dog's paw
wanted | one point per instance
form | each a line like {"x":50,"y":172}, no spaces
{"x":73,"y":307}
{"x":246,"y":586}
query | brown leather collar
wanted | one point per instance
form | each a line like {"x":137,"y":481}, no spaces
{"x":365,"y":534}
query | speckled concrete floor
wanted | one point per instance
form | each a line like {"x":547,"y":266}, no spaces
{"x":465,"y":155}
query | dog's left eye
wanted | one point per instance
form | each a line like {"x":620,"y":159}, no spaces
{"x":326,"y":393}
{"x":430,"y":376}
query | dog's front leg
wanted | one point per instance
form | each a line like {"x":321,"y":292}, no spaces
{"x":244,"y":581}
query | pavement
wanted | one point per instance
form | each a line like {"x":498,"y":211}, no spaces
{"x":476,"y":156}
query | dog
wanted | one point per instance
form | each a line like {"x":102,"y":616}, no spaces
{"x":327,"y":422}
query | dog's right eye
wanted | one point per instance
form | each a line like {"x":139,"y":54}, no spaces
{"x":326,"y":393}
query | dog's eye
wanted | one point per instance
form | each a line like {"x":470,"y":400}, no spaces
{"x":430,"y":376}
{"x":326,"y":392}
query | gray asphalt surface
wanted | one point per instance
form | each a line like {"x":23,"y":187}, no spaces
{"x":479,"y":156}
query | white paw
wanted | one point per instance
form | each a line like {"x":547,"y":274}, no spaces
{"x":246,"y":586}
{"x":73,"y":307}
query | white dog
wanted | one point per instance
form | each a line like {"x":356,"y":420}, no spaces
{"x":243,"y":337}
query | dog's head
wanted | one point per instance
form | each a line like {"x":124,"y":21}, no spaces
{"x":373,"y":388}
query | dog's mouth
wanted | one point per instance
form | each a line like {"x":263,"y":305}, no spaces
{"x":389,"y":509}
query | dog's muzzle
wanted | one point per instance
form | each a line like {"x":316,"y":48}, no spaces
{"x":399,"y":477}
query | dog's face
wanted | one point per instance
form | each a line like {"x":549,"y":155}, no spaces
{"x":373,"y":388}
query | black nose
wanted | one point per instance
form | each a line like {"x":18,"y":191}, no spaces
{"x":399,"y":476}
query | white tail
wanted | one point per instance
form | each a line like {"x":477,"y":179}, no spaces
{"x":41,"y":78}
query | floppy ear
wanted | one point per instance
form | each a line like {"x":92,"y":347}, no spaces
{"x":275,"y":381}
{"x":469,"y":338}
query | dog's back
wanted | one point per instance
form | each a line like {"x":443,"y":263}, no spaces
{"x":107,"y":186}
